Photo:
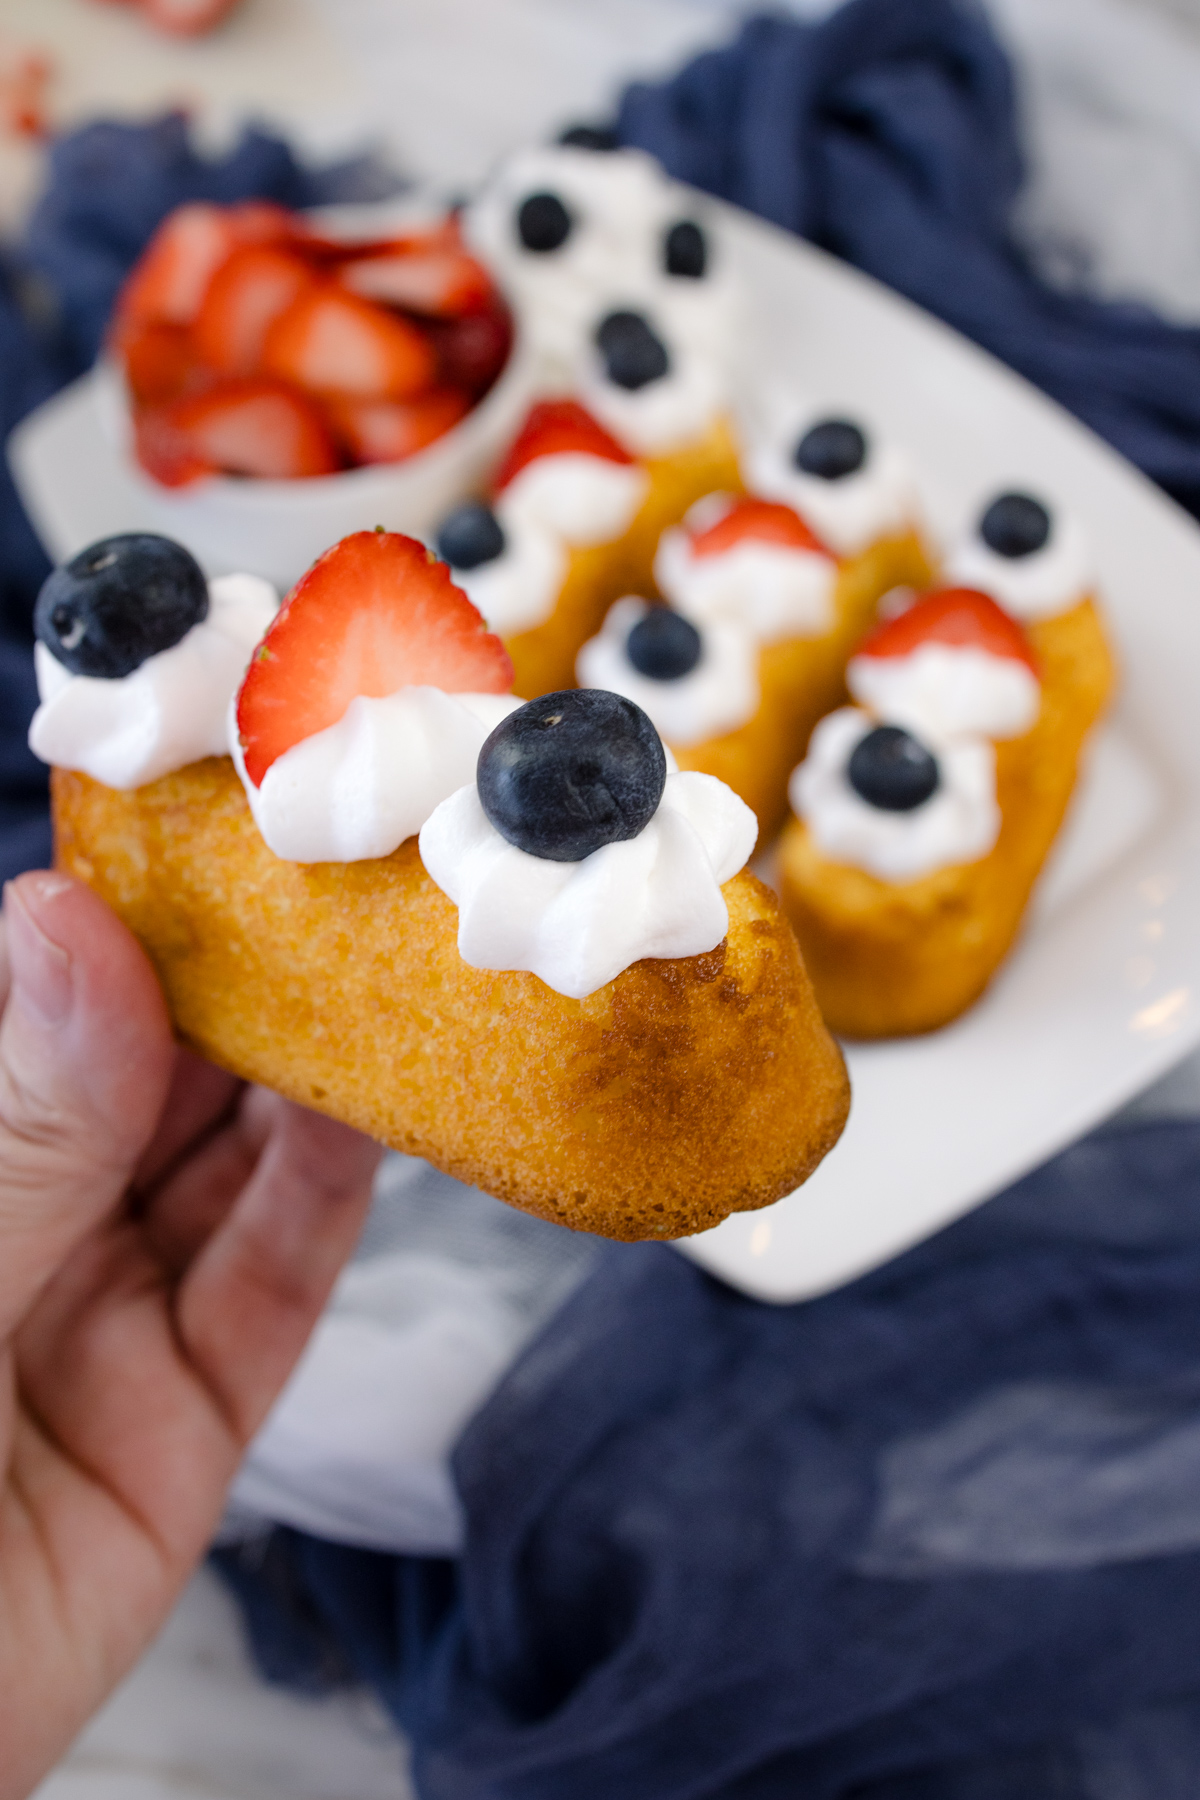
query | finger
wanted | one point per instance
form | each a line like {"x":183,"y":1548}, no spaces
{"x":199,"y":1191}
{"x":246,"y":1307}
{"x":85,"y":1059}
{"x":199,"y":1100}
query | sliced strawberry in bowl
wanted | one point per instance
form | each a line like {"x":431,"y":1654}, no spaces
{"x":161,"y":361}
{"x":332,"y":342}
{"x":473,"y":349}
{"x":435,"y":278}
{"x":384,"y":431}
{"x":252,"y":288}
{"x":376,"y":613}
{"x":252,"y":427}
{"x":757,"y":521}
{"x":558,"y":428}
{"x":170,"y":278}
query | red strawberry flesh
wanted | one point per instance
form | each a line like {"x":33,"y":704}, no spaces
{"x":756,"y":521}
{"x":376,"y":613}
{"x":961,"y":617}
{"x":555,"y":428}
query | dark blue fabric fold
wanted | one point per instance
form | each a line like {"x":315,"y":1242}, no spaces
{"x":933,"y":1533}
{"x":888,"y":134}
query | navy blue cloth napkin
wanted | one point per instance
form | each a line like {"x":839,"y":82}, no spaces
{"x":936,"y":1535}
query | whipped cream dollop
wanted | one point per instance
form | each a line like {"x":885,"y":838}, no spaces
{"x":880,"y":499}
{"x":170,"y":711}
{"x":667,"y":413}
{"x":948,"y":690}
{"x":620,"y":205}
{"x":578,"y":925}
{"x":718,"y":695}
{"x":356,"y":790}
{"x":580,"y":498}
{"x":959,"y":822}
{"x":1038,"y":586}
{"x":519,"y":588}
{"x":774,"y":591}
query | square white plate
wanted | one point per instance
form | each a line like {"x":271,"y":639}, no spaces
{"x":1102,"y":992}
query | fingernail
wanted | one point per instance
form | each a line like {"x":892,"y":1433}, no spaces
{"x":41,"y":969}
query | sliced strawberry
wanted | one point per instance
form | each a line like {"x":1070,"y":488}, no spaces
{"x":763,"y":522}
{"x":380,"y":431}
{"x":160,"y":361}
{"x":169,"y":280}
{"x":426,"y":278}
{"x":553,"y":427}
{"x":471,"y":351}
{"x":332,"y":342}
{"x":240,"y":427}
{"x":376,"y":613}
{"x":252,"y":288}
{"x":958,"y":616}
{"x":186,"y":18}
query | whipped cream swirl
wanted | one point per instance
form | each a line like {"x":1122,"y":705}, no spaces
{"x":959,"y":822}
{"x":168,"y":712}
{"x":356,"y":790}
{"x":774,"y":591}
{"x":948,"y":690}
{"x":1038,"y":586}
{"x":519,"y":588}
{"x":578,"y":925}
{"x":718,"y":695}
{"x":878,"y":500}
{"x":580,"y":498}
{"x":663,"y":415}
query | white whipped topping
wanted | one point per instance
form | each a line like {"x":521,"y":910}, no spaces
{"x":718,"y":695}
{"x":519,"y":588}
{"x":878,"y":500}
{"x":948,"y":690}
{"x":578,"y":925}
{"x":957,"y":824}
{"x":773,"y":590}
{"x":666,"y":414}
{"x":356,"y":790}
{"x":580,"y":498}
{"x":621,"y":204}
{"x":1049,"y":581}
{"x":167,"y":713}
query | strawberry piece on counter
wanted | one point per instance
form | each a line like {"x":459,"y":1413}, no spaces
{"x":186,"y":18}
{"x":332,"y":342}
{"x":961,"y":617}
{"x":376,"y":613}
{"x":555,"y":428}
{"x":252,"y":288}
{"x":252,"y":427}
{"x":760,"y":521}
{"x":382,"y":431}
{"x":170,"y":279}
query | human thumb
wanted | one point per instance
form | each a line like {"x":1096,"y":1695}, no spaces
{"x":85,"y":1060}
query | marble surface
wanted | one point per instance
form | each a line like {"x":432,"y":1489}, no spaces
{"x":194,"y":1720}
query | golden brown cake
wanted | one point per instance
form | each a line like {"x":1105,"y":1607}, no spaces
{"x":678,"y":1093}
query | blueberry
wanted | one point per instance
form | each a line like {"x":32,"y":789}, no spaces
{"x":1015,"y":525}
{"x":634,"y":355}
{"x":601,"y":138}
{"x":571,"y":772}
{"x":831,"y":449}
{"x":664,"y":645}
{"x":685,"y":250}
{"x":470,"y":535}
{"x":543,"y":223}
{"x":118,"y":602}
{"x":891,"y":770}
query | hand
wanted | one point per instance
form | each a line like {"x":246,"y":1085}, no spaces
{"x":167,"y":1240}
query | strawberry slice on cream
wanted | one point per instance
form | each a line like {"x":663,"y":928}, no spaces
{"x":953,"y":665}
{"x":754,"y":561}
{"x":567,"y":475}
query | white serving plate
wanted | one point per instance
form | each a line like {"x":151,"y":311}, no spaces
{"x":1102,"y":992}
